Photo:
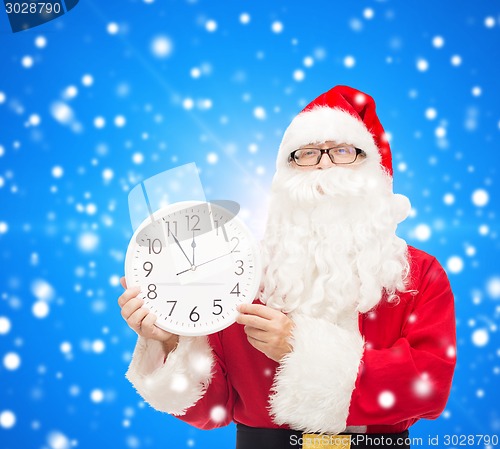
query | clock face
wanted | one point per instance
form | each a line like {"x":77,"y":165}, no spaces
{"x":195,"y":262}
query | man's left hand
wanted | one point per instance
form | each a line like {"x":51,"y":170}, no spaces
{"x":267,"y":329}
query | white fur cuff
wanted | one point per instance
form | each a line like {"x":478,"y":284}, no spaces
{"x":313,"y":386}
{"x":177,"y":384}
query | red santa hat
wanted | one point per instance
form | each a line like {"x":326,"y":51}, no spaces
{"x":342,"y":114}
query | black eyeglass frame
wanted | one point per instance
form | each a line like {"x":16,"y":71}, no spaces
{"x":323,"y":151}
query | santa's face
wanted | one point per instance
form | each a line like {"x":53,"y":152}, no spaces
{"x":330,"y":245}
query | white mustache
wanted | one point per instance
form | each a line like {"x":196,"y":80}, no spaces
{"x":335,"y":182}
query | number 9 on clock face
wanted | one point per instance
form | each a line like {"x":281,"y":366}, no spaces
{"x":194,"y":262}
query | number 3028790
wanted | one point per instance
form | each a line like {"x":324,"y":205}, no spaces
{"x":32,"y":8}
{"x":470,"y":440}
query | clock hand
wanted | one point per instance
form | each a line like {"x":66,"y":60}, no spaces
{"x":193,"y":245}
{"x":204,"y":263}
{"x":179,"y":245}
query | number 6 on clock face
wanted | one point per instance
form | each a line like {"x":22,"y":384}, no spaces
{"x":195,"y":262}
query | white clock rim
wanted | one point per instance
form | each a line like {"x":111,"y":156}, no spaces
{"x":172,"y":208}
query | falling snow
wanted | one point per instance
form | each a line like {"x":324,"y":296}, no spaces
{"x":386,"y":399}
{"x":422,"y":232}
{"x":456,"y":60}
{"x":349,"y":61}
{"x":179,"y":383}
{"x":440,"y":132}
{"x":308,"y":61}
{"x":97,"y":396}
{"x":87,"y":80}
{"x":480,"y":337}
{"x":112,"y":28}
{"x":277,"y":27}
{"x":5,"y":325}
{"x":299,"y":75}
{"x":41,"y":41}
{"x":138,"y":158}
{"x":99,"y":122}
{"x":259,"y":113}
{"x":430,"y":113}
{"x":66,"y":347}
{"x":62,"y":112}
{"x":27,"y":62}
{"x":244,"y":18}
{"x":493,"y":287}
{"x":438,"y":41}
{"x":449,"y":199}
{"x":212,"y":158}
{"x":7,"y":419}
{"x":211,"y":26}
{"x":455,"y":264}
{"x":368,"y":13}
{"x":98,"y":346}
{"x":42,"y":290}
{"x":422,"y":65}
{"x":57,"y":440}
{"x":120,"y":121}
{"x":489,"y":22}
{"x":40,"y":309}
{"x":422,"y":387}
{"x":161,"y":47}
{"x":218,"y":414}
{"x":480,"y":197}
{"x":11,"y":361}
{"x":88,"y":241}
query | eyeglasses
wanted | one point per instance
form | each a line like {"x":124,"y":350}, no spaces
{"x":307,"y":157}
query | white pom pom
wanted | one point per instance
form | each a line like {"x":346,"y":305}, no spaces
{"x":401,"y":207}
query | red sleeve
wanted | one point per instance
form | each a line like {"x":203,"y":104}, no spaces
{"x":215,"y":408}
{"x":412,"y":378}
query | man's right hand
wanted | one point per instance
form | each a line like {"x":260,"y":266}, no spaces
{"x":141,"y":320}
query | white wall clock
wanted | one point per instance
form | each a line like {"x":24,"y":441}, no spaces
{"x":195,"y":262}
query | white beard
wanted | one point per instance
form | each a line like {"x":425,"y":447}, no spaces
{"x":330,"y":246}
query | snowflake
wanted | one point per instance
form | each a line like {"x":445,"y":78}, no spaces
{"x":244,"y":18}
{"x":480,"y":197}
{"x":40,"y":42}
{"x":259,"y":112}
{"x":7,"y":419}
{"x":211,"y":26}
{"x":493,"y":287}
{"x":455,"y":264}
{"x":179,"y":383}
{"x":161,"y":47}
{"x":349,"y":62}
{"x":480,"y":337}
{"x":386,"y":399}
{"x":277,"y":27}
{"x":57,"y":440}
{"x":96,"y":395}
{"x":11,"y":361}
{"x":218,"y":414}
{"x":422,"y":387}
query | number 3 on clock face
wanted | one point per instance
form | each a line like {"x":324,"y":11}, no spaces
{"x":195,"y":262}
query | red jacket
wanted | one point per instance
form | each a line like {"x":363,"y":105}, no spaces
{"x":405,"y":373}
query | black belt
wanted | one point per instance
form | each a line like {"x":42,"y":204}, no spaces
{"x":258,"y":438}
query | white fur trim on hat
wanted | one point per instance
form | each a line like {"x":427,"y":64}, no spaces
{"x":177,"y":384}
{"x":321,"y":124}
{"x":313,"y":385}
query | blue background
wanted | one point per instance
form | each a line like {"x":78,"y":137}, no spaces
{"x":67,"y":164}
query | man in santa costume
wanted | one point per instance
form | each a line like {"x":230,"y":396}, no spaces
{"x":354,"y":330}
